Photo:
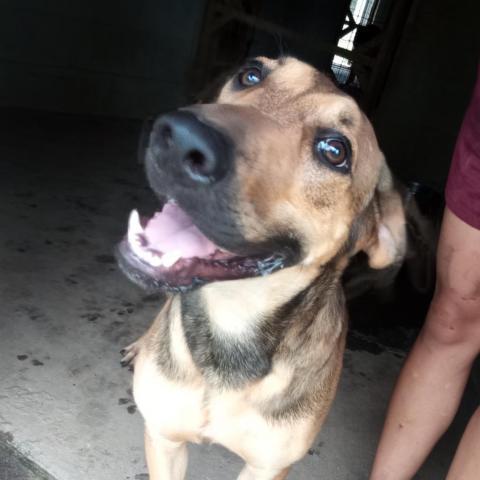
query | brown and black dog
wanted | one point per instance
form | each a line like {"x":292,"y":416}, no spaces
{"x":270,"y":191}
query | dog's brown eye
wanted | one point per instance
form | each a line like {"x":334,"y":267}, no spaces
{"x":334,"y":151}
{"x":250,"y":77}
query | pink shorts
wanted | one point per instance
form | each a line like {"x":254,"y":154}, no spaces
{"x":462,"y":193}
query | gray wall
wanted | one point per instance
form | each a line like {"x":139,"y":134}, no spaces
{"x":124,"y":58}
{"x":429,"y":87}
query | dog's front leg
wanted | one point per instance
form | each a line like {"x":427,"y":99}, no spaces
{"x":166,"y":460}
{"x":254,"y":473}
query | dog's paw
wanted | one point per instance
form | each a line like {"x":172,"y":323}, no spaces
{"x":129,"y":353}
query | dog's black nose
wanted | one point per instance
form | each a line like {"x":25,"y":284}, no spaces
{"x":194,"y":149}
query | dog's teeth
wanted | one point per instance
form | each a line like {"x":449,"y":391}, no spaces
{"x":134,"y":227}
{"x":139,"y":251}
{"x":154,"y":259}
{"x":170,"y":258}
{"x":136,"y":237}
{"x":134,"y":221}
{"x":147,"y":256}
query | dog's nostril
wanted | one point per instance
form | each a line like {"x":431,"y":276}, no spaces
{"x":196,"y":159}
{"x":166,"y":136}
{"x":197,"y":165}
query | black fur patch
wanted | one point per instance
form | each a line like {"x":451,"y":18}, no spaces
{"x":231,"y":361}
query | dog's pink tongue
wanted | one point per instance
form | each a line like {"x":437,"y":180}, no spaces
{"x":172,"y":230}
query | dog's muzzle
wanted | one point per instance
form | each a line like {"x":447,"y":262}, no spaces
{"x":197,"y":236}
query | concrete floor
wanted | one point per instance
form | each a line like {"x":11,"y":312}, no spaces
{"x":66,"y":187}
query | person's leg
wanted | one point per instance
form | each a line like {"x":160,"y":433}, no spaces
{"x":466,"y":464}
{"x":433,"y":378}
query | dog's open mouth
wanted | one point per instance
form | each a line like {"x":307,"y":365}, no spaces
{"x":168,"y":250}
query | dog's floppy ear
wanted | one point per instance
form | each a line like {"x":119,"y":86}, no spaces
{"x":387,"y":242}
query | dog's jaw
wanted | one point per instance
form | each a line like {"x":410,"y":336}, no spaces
{"x":169,"y":252}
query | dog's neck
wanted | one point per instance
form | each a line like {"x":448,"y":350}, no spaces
{"x":235,"y":307}
{"x":233,"y":328}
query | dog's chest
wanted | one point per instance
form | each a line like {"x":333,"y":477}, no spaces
{"x":180,"y":410}
{"x":200,"y":381}
{"x":195,"y":411}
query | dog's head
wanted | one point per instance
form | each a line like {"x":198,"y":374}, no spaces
{"x":282,"y":170}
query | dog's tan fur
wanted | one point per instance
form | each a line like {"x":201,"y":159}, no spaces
{"x":272,"y":421}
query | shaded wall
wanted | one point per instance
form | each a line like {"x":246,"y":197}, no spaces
{"x":322,"y":20}
{"x":428,"y":88}
{"x":113,"y":57}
